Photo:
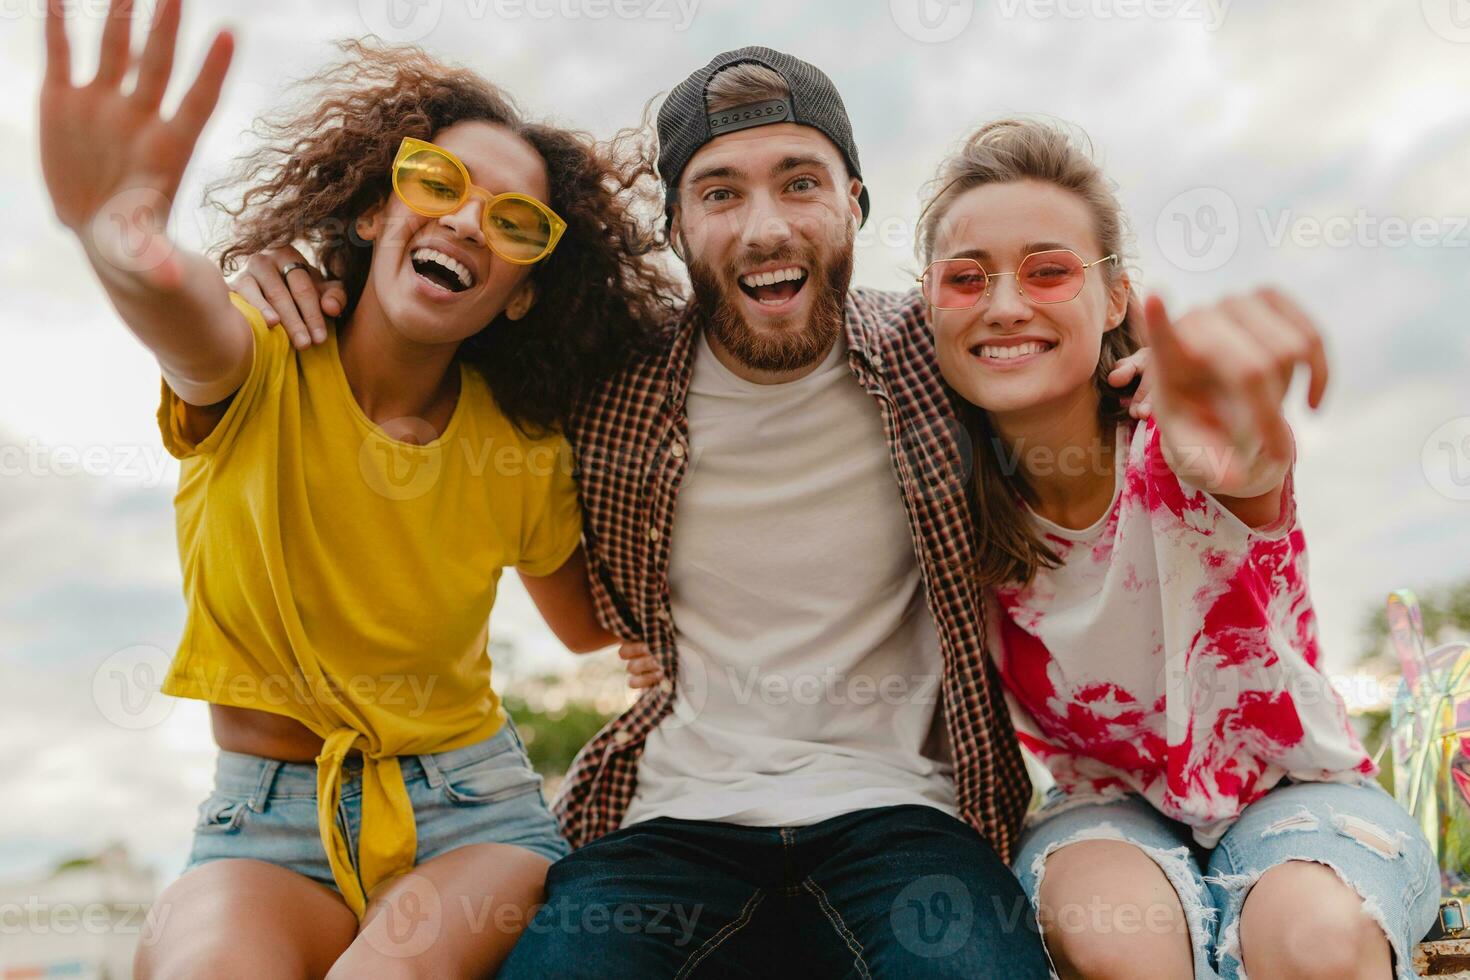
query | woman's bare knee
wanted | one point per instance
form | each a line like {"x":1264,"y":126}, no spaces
{"x":1106,"y":908}
{"x":246,"y":919}
{"x":1301,"y":922}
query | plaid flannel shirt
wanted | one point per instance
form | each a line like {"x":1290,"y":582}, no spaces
{"x":631,"y":438}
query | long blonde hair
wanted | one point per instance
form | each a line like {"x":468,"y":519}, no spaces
{"x":1000,"y":152}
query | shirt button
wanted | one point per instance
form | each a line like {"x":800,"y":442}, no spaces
{"x":653,"y":534}
{"x":621,"y":737}
{"x":677,"y":450}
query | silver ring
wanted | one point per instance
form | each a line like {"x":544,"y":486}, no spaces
{"x":290,"y":267}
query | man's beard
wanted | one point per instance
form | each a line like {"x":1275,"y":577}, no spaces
{"x":782,"y":347}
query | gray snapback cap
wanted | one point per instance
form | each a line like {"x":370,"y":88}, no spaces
{"x":685,"y":123}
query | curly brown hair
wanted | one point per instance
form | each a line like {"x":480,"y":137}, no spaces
{"x":601,"y":294}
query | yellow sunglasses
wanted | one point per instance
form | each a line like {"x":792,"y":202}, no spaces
{"x":433,"y":182}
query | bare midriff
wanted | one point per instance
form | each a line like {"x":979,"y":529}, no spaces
{"x":265,"y":734}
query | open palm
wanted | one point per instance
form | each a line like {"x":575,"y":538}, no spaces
{"x":112,"y":163}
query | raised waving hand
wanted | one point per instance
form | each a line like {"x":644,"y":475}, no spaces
{"x":113,"y":164}
{"x":110,"y":156}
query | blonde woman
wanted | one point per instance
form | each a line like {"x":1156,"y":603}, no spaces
{"x":1214,"y":813}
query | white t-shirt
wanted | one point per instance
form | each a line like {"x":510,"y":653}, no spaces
{"x":1174,"y":653}
{"x":809,"y":665}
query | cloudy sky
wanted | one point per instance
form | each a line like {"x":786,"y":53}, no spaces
{"x":1319,"y":145}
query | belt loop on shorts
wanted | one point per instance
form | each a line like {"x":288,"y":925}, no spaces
{"x":515,"y":733}
{"x":431,"y":770}
{"x":263,"y":785}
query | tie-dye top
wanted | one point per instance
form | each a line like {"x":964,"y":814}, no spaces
{"x":1173,"y":654}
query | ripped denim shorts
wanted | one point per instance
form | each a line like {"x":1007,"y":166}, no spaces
{"x":1357,"y":830}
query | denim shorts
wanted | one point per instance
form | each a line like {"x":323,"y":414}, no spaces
{"x":485,"y":793}
{"x":1356,"y":829}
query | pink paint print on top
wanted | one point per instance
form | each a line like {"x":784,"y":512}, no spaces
{"x":1174,"y":653}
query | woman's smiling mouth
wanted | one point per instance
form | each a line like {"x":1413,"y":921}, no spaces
{"x":443,"y":271}
{"x":1011,"y":353}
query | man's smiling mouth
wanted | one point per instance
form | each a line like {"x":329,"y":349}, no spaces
{"x":774,"y":287}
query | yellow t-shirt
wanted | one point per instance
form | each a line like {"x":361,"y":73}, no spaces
{"x":345,"y":579}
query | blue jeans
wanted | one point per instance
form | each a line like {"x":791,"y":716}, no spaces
{"x":892,"y":892}
{"x":1358,"y":831}
{"x":485,"y":793}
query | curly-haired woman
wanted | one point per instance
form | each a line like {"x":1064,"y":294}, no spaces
{"x":346,"y":507}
